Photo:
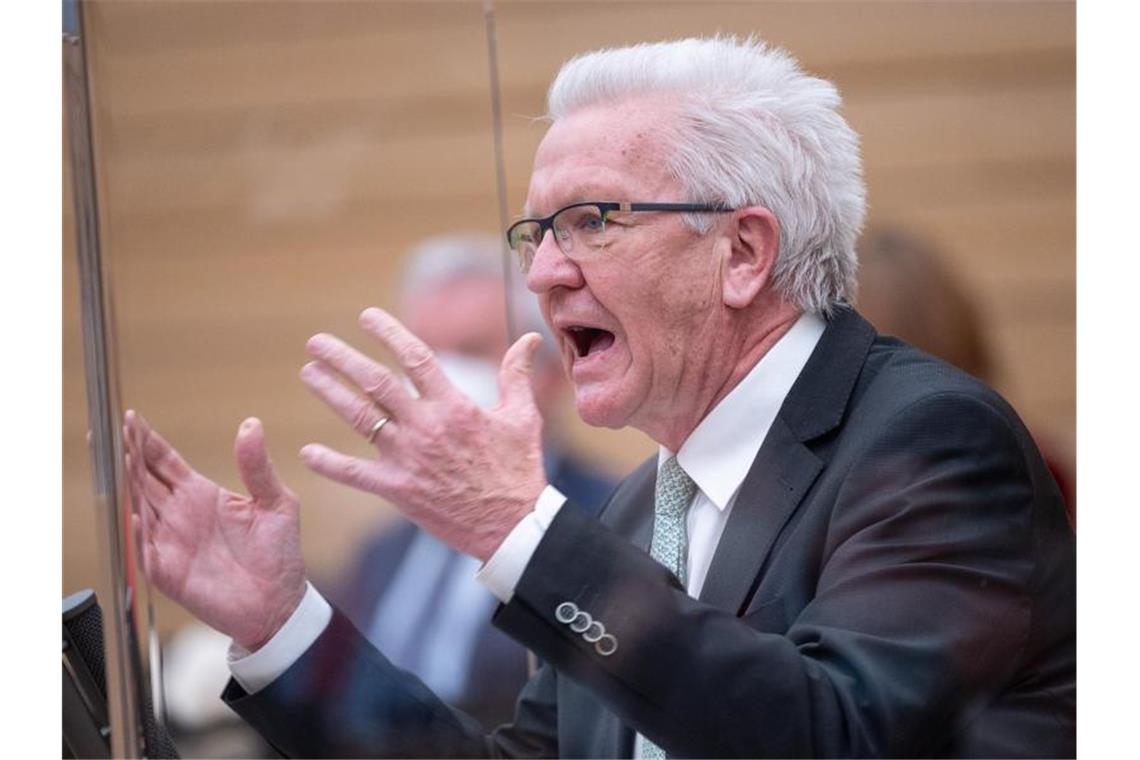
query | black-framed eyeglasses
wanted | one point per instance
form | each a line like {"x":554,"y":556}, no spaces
{"x":580,"y":228}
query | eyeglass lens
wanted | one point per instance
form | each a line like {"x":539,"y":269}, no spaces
{"x":578,"y":231}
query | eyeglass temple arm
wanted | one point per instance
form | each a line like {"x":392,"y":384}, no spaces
{"x":695,"y":207}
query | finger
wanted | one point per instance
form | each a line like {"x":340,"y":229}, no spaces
{"x":152,"y":489}
{"x":131,"y":434}
{"x":133,"y":457}
{"x":253,"y":463}
{"x":148,"y":515}
{"x":146,"y":490}
{"x":161,"y":458}
{"x":138,"y":525}
{"x":131,"y":461}
{"x":377,"y":381}
{"x":361,"y":474}
{"x":515,"y":387}
{"x":362,"y":414}
{"x":149,"y":548}
{"x":412,"y":353}
{"x":144,"y":531}
{"x":154,"y":493}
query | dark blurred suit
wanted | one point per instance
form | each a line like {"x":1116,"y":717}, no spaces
{"x":418,"y":602}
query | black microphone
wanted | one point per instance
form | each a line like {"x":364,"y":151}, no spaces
{"x":86,"y":728}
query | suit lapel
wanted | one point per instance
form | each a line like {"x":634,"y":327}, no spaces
{"x":785,"y":468}
{"x":630,"y":511}
{"x":782,"y":473}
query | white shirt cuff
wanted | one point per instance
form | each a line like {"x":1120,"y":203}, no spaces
{"x":254,"y":671}
{"x":503,"y":570}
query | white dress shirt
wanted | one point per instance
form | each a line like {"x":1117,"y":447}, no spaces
{"x":717,"y":456}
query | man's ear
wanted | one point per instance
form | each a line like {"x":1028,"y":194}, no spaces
{"x":754,"y":242}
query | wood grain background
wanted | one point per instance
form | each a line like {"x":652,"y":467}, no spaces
{"x":264,"y":167}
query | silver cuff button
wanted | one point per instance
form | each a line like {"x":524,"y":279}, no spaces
{"x":606,"y":645}
{"x":581,"y":622}
{"x":566,"y":612}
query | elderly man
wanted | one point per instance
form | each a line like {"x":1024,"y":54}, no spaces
{"x":844,"y":546}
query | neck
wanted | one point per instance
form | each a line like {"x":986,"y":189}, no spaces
{"x":745,"y":351}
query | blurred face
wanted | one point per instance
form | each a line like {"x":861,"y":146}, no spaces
{"x":464,"y":323}
{"x":638,"y":325}
{"x":465,"y":316}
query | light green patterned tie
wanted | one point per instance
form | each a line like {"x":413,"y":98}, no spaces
{"x":675,"y":491}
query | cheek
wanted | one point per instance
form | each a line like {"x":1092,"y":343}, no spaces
{"x":655,"y":348}
{"x":662,"y":344}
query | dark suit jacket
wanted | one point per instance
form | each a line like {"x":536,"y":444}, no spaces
{"x":896,"y":579}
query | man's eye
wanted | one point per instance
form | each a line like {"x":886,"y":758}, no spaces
{"x":590,"y":223}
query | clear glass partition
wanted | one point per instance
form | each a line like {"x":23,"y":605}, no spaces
{"x":264,"y":170}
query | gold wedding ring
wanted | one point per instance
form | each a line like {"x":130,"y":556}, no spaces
{"x":375,"y":431}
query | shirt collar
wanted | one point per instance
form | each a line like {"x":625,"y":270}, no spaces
{"x":719,"y":452}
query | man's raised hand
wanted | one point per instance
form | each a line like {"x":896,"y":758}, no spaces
{"x":465,"y":474}
{"x":233,"y":561}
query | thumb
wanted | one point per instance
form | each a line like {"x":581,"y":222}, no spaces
{"x":253,"y":462}
{"x":515,"y":371}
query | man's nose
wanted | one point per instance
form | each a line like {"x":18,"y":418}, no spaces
{"x":551,"y":268}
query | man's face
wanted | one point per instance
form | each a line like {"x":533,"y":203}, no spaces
{"x":650,"y":302}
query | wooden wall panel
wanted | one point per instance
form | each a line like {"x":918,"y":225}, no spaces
{"x":266,"y":165}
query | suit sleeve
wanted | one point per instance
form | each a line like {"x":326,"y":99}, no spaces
{"x":342,"y":698}
{"x":920,"y":609}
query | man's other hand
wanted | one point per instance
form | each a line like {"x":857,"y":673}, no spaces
{"x":465,"y":474}
{"x":233,"y":561}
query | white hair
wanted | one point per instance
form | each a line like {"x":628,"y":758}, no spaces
{"x":751,"y":128}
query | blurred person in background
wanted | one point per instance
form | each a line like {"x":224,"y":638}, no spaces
{"x":415,"y":597}
{"x":906,"y":289}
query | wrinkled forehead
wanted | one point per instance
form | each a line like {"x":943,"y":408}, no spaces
{"x":603,"y":153}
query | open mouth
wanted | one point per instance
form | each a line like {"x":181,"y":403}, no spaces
{"x":589,"y":340}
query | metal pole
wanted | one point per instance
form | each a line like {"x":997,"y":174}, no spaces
{"x":125,"y":677}
{"x":500,"y":162}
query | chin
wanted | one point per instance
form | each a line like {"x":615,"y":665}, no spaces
{"x":600,"y":409}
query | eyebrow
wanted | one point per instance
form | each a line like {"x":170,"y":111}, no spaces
{"x":587,"y":196}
